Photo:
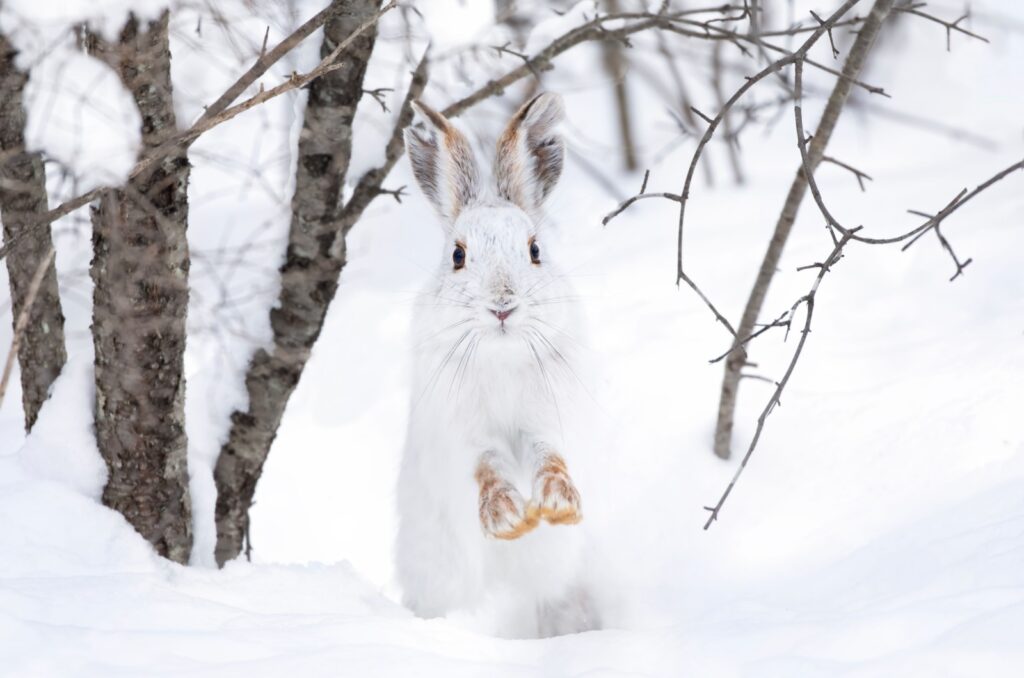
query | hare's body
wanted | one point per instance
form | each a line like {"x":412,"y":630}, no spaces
{"x":446,"y":561}
{"x":486,"y":502}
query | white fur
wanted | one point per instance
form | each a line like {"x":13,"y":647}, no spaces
{"x":484,"y":388}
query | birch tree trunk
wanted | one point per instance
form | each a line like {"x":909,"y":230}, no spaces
{"x":816,"y":150}
{"x":309,"y":276}
{"x":140,"y":272}
{"x":41,"y":352}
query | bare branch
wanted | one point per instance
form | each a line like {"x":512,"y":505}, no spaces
{"x":860,"y":176}
{"x":642,"y":195}
{"x":266,"y":60}
{"x":950,"y":26}
{"x":795,"y":57}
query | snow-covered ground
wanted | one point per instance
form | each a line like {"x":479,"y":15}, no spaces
{"x":878,"y":531}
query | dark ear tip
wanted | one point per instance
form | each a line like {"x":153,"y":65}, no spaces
{"x":431,"y":116}
{"x":546,"y":105}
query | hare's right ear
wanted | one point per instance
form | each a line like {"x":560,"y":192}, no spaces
{"x":530,"y":153}
{"x":442,"y":162}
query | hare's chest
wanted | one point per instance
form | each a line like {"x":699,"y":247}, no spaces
{"x":504,"y":393}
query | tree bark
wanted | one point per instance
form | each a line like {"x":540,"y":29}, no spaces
{"x":833,"y":108}
{"x":309,"y":275}
{"x":41,"y":352}
{"x":140,"y":299}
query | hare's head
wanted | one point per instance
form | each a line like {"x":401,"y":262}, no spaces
{"x":495,"y":268}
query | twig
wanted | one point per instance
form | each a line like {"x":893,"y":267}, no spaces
{"x":861,"y":176}
{"x":378,"y":96}
{"x":642,"y":195}
{"x":781,"y":321}
{"x":960,"y":265}
{"x":831,"y":42}
{"x":950,"y":26}
{"x":776,"y":397}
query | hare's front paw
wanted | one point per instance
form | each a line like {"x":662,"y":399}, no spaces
{"x":503,"y":512}
{"x":558,"y":501}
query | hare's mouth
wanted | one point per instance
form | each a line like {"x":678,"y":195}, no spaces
{"x":502,"y":315}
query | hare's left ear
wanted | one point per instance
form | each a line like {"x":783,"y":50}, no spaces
{"x":442,"y":162}
{"x":530,"y":153}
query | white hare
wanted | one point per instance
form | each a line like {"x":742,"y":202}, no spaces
{"x":486,"y":502}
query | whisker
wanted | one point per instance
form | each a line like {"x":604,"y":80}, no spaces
{"x":559,"y":357}
{"x":554,"y":300}
{"x":547,"y":381}
{"x":451,"y":303}
{"x":562,"y":331}
{"x":459,"y":365}
{"x":444,"y":362}
{"x":426,"y":339}
{"x":469,"y":359}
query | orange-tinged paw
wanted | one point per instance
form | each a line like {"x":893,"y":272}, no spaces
{"x":558,"y":500}
{"x":503,"y":512}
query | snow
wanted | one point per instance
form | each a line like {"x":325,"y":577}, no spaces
{"x":878,"y":531}
{"x":69,"y":93}
{"x":79,"y":113}
{"x":49,"y":19}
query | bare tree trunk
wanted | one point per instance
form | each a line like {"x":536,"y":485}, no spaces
{"x":309,"y":276}
{"x":509,"y":12}
{"x":737,"y":358}
{"x":140,"y":271}
{"x":41,"y":352}
{"x":615,"y":66}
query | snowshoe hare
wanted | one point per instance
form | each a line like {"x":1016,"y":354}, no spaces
{"x":486,"y":500}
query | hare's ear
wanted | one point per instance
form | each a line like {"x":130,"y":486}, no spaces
{"x":442,"y":162}
{"x":530,"y":152}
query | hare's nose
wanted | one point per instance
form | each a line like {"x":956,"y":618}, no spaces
{"x":502,"y":314}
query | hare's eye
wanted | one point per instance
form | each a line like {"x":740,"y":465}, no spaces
{"x":459,"y":256}
{"x":534,"y":252}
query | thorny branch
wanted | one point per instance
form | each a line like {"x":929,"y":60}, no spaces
{"x":795,"y":57}
{"x":848,"y":235}
{"x":776,"y":398}
{"x":841,"y":236}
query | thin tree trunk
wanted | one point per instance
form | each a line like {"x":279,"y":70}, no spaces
{"x":615,"y":65}
{"x":737,"y":358}
{"x":41,"y":352}
{"x":509,"y":13}
{"x":309,"y":276}
{"x":140,"y":300}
